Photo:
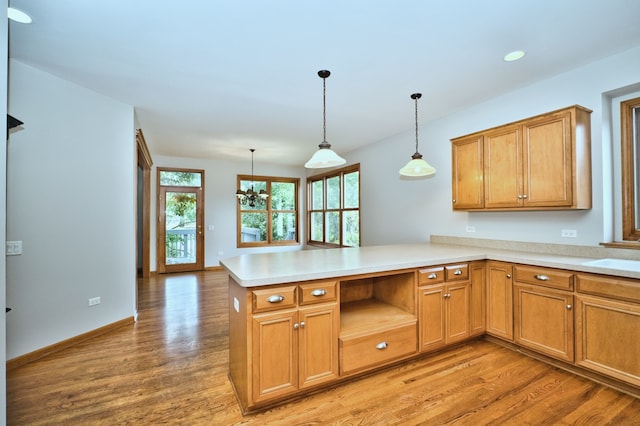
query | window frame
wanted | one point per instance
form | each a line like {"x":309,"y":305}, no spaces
{"x":629,"y":169}
{"x":269,"y":212}
{"x":324,"y":177}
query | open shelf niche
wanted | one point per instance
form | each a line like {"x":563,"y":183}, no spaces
{"x":377,"y":303}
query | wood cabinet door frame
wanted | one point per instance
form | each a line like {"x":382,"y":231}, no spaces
{"x":503,"y":184}
{"x":547,"y":161}
{"x":543,"y":320}
{"x":500,"y":299}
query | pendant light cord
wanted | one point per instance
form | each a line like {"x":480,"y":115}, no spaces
{"x":416,"y":99}
{"x":324,"y":109}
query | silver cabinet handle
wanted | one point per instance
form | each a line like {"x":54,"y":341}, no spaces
{"x":276,"y":298}
{"x":569,"y":307}
{"x":319,"y":292}
{"x":296,"y":326}
{"x":432,"y":276}
{"x":541,"y":277}
{"x":301,"y":324}
{"x":457,"y":272}
{"x":508,"y":275}
{"x":382,"y":345}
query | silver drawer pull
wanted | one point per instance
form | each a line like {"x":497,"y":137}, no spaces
{"x":276,"y":298}
{"x":319,"y":292}
{"x":457,"y":272}
{"x":569,"y":307}
{"x":541,"y":277}
{"x":432,"y":276}
{"x":382,"y":345}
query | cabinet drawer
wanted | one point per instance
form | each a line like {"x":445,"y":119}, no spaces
{"x":318,"y":292}
{"x":456,"y":272}
{"x":377,"y":349}
{"x":433,"y":275}
{"x":616,"y":288}
{"x":270,"y":299}
{"x":544,"y":276}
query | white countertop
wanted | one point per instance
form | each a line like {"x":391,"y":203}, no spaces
{"x":251,"y":270}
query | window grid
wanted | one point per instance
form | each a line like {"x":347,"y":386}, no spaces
{"x":270,"y":226}
{"x":334,"y":215}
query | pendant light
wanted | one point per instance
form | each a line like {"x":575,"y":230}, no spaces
{"x":250,"y":196}
{"x":324,"y":157}
{"x":417,"y":166}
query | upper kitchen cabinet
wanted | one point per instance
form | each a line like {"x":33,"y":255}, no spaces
{"x":467,"y":173}
{"x":540,"y":163}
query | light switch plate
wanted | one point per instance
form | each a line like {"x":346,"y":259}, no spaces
{"x":14,"y":248}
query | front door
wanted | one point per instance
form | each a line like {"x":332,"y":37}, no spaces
{"x":180,"y":240}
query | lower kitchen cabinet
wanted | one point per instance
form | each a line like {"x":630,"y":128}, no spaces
{"x":477,"y":299}
{"x":544,"y":320}
{"x":608,"y":326}
{"x":286,"y":340}
{"x":294,"y":349}
{"x":444,"y":308}
{"x":500,"y":299}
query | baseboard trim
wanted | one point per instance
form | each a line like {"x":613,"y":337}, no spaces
{"x":214,"y":268}
{"x":64,"y":344}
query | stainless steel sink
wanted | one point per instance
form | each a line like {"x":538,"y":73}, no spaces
{"x":628,"y":265}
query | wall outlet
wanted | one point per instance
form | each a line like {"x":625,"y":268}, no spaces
{"x":569,"y":233}
{"x":471,"y":229}
{"x":94,"y":301}
{"x":211,"y":227}
{"x":14,"y":248}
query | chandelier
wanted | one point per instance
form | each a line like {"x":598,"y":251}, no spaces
{"x":250,"y":196}
{"x":324,"y":157}
{"x":417,"y":166}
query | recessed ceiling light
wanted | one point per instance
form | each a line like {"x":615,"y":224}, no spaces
{"x":18,"y":16}
{"x":513,"y":56}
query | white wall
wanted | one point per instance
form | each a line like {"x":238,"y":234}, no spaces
{"x":71,"y":201}
{"x":424,"y":206}
{"x":220,"y":202}
{"x":3,"y":187}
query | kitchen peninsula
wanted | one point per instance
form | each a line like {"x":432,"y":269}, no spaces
{"x":305,"y":320}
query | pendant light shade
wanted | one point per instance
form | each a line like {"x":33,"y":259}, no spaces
{"x":417,"y":167}
{"x":324,"y":156}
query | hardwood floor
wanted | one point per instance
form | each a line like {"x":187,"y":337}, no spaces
{"x":171,"y":368}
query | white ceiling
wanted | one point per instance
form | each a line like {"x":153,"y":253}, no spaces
{"x":213,"y":78}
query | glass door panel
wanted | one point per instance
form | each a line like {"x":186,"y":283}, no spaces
{"x":180,"y":240}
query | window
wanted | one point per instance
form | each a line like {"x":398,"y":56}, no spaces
{"x":334,"y":208}
{"x":630,"y":143}
{"x":274,"y":222}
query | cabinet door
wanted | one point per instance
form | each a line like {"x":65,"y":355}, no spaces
{"x":318,"y":356}
{"x":467,"y":173}
{"x":275,"y":354}
{"x":477,"y":311}
{"x":544,"y":320}
{"x":503,"y":186}
{"x":500,"y":299}
{"x":608,"y":337}
{"x":547,"y":164}
{"x":432,"y":317}
{"x":457,"y":312}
